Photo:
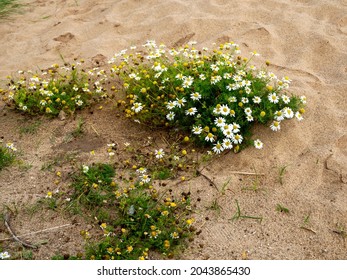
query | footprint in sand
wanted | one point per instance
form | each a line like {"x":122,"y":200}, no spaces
{"x":343,"y":25}
{"x":337,"y":161}
{"x":65,"y":37}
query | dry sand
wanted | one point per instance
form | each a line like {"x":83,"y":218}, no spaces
{"x":304,"y":39}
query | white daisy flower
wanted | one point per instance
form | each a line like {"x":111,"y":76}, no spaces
{"x":170,"y":116}
{"x":219,"y":122}
{"x":249,"y":118}
{"x":285,"y":99}
{"x":273,"y":98}
{"x":145,"y":178}
{"x":191,"y":111}
{"x":195,"y":96}
{"x":288,"y":113}
{"x":237,"y":139}
{"x":137,"y":107}
{"x":85,"y":168}
{"x":244,"y":100}
{"x":258,"y":144}
{"x":159,"y":153}
{"x":299,"y":116}
{"x":235,"y":128}
{"x":275,"y":126}
{"x":171,"y":104}
{"x":197,"y":130}
{"x":303,"y":99}
{"x":279,"y":116}
{"x":218,"y":148}
{"x":227,"y":143}
{"x":248,"y":110}
{"x":224,"y":110}
{"x":256,"y":99}
{"x":180,"y":102}
{"x":209,"y":137}
{"x":228,"y":133}
{"x":232,"y":99}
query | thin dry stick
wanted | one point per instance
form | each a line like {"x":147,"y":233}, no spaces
{"x":25,"y":244}
{"x":97,"y":133}
{"x":308,"y":229}
{"x":208,"y":179}
{"x":39,"y":231}
{"x":246,"y":173}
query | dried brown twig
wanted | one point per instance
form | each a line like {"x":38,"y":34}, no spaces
{"x":14,"y":236}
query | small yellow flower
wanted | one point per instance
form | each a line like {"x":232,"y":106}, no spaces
{"x":262,"y":114}
{"x":186,"y":139}
{"x":92,"y":152}
{"x":183,"y":178}
{"x":113,"y":184}
{"x":130,"y":249}
{"x":302,"y":110}
{"x":184,"y":152}
{"x":165,"y":213}
{"x":58,"y":173}
{"x":103,"y":225}
{"x":166,"y":244}
{"x":49,"y":195}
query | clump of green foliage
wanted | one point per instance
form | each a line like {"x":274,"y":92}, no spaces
{"x":134,"y":218}
{"x":215,"y":96}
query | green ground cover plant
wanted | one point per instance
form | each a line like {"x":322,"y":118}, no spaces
{"x":59,"y":88}
{"x":7,"y":7}
{"x":7,"y":154}
{"x":215,"y":96}
{"x":135,"y":219}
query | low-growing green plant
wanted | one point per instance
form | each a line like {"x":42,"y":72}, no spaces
{"x":134,"y":218}
{"x":7,"y":155}
{"x":215,"y":96}
{"x":238,"y":214}
{"x":58,"y":88}
{"x":282,"y":209}
{"x":30,"y":128}
{"x":7,"y":7}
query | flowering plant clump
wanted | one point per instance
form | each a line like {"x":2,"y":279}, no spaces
{"x":7,"y":154}
{"x":58,"y":88}
{"x":216,"y":96}
{"x":134,"y":219}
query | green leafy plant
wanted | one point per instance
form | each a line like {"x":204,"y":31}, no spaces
{"x":134,"y":218}
{"x":7,"y":155}
{"x":214,"y":96}
{"x":59,"y":88}
{"x":7,"y":7}
{"x":282,"y":209}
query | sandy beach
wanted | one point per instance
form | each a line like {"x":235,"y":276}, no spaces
{"x":303,"y":39}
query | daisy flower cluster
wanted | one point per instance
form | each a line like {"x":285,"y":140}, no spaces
{"x":215,"y":95}
{"x":58,"y":88}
